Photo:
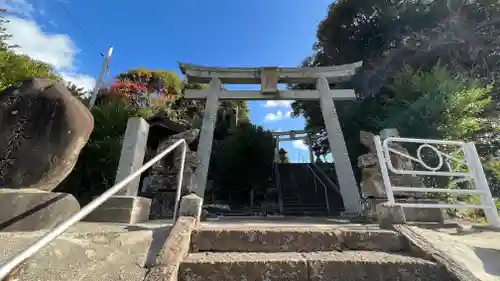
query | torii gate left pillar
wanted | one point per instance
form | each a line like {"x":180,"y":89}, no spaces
{"x":269,"y":78}
{"x":207,"y":135}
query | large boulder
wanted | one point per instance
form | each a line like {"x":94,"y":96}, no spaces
{"x":43,"y":128}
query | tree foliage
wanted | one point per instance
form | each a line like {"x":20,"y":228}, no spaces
{"x":15,"y":67}
{"x":135,"y":93}
{"x":429,"y":69}
{"x":97,"y":163}
{"x":433,"y":105}
{"x":242,"y":161}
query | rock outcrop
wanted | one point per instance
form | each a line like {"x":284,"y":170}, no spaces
{"x":372,"y":184}
{"x":43,"y":129}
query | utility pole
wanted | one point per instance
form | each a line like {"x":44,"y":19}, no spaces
{"x":98,"y":82}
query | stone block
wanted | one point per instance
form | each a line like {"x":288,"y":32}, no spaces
{"x":425,"y":214}
{"x":389,"y":132}
{"x":31,"y":209}
{"x":191,"y":206}
{"x":132,"y":155}
{"x":371,"y":265}
{"x":390,"y":214}
{"x":122,"y":209}
{"x":244,"y":266}
{"x":273,"y":239}
{"x":413,"y":214}
{"x":176,"y":246}
{"x":373,"y":240}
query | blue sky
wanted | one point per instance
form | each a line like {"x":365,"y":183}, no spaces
{"x":155,"y":34}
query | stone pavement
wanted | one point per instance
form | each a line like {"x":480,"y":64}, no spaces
{"x":476,"y":249}
{"x":89,"y":251}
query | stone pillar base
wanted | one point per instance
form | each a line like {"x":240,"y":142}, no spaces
{"x":32,"y":209}
{"x":191,"y":206}
{"x":412,"y":214}
{"x":122,"y":209}
{"x":388,"y":215}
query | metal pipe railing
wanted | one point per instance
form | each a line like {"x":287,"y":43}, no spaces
{"x":278,"y":186}
{"x":11,"y":264}
{"x":317,"y":169}
{"x":324,"y":187}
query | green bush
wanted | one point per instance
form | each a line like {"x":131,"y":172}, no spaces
{"x":97,"y":164}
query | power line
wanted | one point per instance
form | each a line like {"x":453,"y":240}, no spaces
{"x":79,"y":26}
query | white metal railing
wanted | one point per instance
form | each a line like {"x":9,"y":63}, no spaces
{"x":471,"y":163}
{"x":7,"y":267}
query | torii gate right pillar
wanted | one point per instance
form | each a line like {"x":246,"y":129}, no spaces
{"x":343,"y":167}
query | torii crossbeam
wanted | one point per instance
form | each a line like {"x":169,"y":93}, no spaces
{"x":269,"y":78}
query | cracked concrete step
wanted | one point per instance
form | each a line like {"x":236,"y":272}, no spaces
{"x":275,"y":239}
{"x":319,"y":266}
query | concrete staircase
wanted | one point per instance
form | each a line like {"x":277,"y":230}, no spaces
{"x":300,"y":254}
{"x":301,"y":197}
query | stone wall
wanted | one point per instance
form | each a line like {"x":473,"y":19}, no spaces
{"x":161,"y":183}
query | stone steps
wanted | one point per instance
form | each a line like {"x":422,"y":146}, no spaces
{"x":286,"y":239}
{"x":303,"y":253}
{"x":314,"y":266}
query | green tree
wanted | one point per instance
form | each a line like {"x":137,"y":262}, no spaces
{"x":389,"y":36}
{"x":130,"y":96}
{"x":242,"y":162}
{"x":79,"y":92}
{"x":14,"y":68}
{"x":141,"y":93}
{"x":434,"y":105}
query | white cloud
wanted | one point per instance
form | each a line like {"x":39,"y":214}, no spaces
{"x":18,"y":7}
{"x":277,"y":116}
{"x":81,"y":80}
{"x":57,"y":50}
{"x":278,"y":103}
{"x":299,"y":144}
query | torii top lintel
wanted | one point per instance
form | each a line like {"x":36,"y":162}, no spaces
{"x":252,"y":75}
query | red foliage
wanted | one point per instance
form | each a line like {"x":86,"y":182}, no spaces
{"x":130,"y":91}
{"x":128,"y":87}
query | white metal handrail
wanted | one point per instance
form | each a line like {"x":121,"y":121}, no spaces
{"x":475,"y":174}
{"x":7,"y":267}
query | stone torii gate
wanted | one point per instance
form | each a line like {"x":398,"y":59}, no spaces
{"x":268,"y":78}
{"x":292,"y":135}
